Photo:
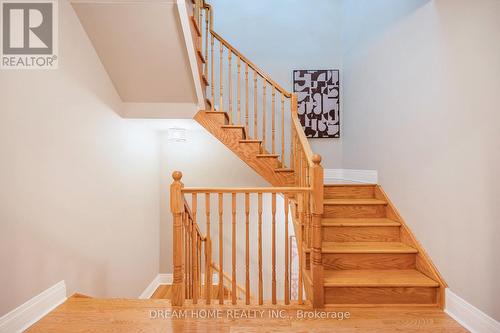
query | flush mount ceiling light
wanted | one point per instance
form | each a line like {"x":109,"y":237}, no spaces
{"x":177,"y":134}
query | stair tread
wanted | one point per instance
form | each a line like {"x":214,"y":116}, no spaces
{"x":250,"y":141}
{"x":284,"y":170}
{"x":268,"y":155}
{"x":377,"y":278}
{"x":233,"y":126}
{"x":359,"y":222}
{"x":354,"y":202}
{"x":351,"y":185}
{"x":367,"y":247}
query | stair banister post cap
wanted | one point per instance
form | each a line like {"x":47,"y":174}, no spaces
{"x":177,"y":175}
{"x":316,"y":158}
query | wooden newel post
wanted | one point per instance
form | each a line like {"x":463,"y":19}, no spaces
{"x":316,"y":203}
{"x":177,"y":208}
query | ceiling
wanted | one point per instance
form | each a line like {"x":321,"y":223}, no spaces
{"x":141,"y":45}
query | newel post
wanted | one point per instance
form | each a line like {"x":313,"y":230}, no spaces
{"x":317,"y":212}
{"x":177,"y":208}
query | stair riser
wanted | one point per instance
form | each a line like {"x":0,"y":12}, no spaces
{"x":349,"y":261}
{"x":349,"y":192}
{"x":360,"y":234}
{"x":354,"y":211}
{"x":236,"y":133}
{"x":381,"y":295}
{"x":252,"y":146}
{"x":217,"y":117}
{"x":272,"y":162}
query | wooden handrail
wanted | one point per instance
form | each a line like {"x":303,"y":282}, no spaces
{"x":187,"y":209}
{"x":245,"y":189}
{"x":252,"y":65}
{"x":227,"y":278}
{"x":303,"y":140}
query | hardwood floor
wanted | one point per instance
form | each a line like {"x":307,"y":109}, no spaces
{"x":147,"y":316}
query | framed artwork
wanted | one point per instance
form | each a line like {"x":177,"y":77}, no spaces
{"x":318,"y":98}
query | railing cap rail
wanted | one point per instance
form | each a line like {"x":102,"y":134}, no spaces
{"x":245,"y":189}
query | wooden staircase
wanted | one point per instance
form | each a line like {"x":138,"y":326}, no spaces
{"x":249,"y":150}
{"x":369,"y":256}
{"x":354,"y":248}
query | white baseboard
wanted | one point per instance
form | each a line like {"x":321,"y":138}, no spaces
{"x":336,"y":176}
{"x":468,"y":315}
{"x":162,"y":279}
{"x":33,"y":310}
{"x":159,"y":280}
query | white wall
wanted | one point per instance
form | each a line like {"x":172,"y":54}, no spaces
{"x":79,"y":190}
{"x":421,"y":83}
{"x":280,"y":36}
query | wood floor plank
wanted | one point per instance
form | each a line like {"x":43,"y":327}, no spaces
{"x":79,"y":315}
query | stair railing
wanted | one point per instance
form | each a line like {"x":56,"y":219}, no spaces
{"x":269,"y":113}
{"x":186,"y":271}
{"x":227,"y":283}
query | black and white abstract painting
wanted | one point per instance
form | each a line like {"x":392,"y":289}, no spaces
{"x":318,"y":97}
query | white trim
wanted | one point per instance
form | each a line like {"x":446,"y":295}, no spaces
{"x":332,"y":176}
{"x":468,"y":315}
{"x":188,"y":38}
{"x":160,"y":279}
{"x":34,"y":309}
{"x":163,"y":279}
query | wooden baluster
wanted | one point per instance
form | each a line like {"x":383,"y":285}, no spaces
{"x":233,"y":248}
{"x":287,"y":252}
{"x":239,"y":91}
{"x":177,"y":208}
{"x":188,"y":254}
{"x":246,"y":98}
{"x":273,"y":246}
{"x":306,"y":200}
{"x":282,"y":130}
{"x":317,"y":212}
{"x":255,"y":109}
{"x":264,"y":114}
{"x":199,"y":15}
{"x":206,"y":44}
{"x":221,"y":78}
{"x":230,"y":85}
{"x":200,"y":244}
{"x":273,"y":120}
{"x":208,"y":253}
{"x":261,"y":288}
{"x":212,"y":79}
{"x":221,"y":250}
{"x":247,"y":248}
{"x":293,"y":113}
{"x":184,"y":263}
{"x":194,"y":204}
{"x":300,"y":249}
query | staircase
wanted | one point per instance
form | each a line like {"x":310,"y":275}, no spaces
{"x":250,"y":150}
{"x":368,"y":254}
{"x":354,"y":248}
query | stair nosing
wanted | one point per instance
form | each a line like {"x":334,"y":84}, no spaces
{"x":267,"y":155}
{"x":250,"y":141}
{"x":284,"y":170}
{"x":403,"y":249}
{"x":352,"y":202}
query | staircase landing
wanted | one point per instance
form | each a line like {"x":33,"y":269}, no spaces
{"x":133,"y":315}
